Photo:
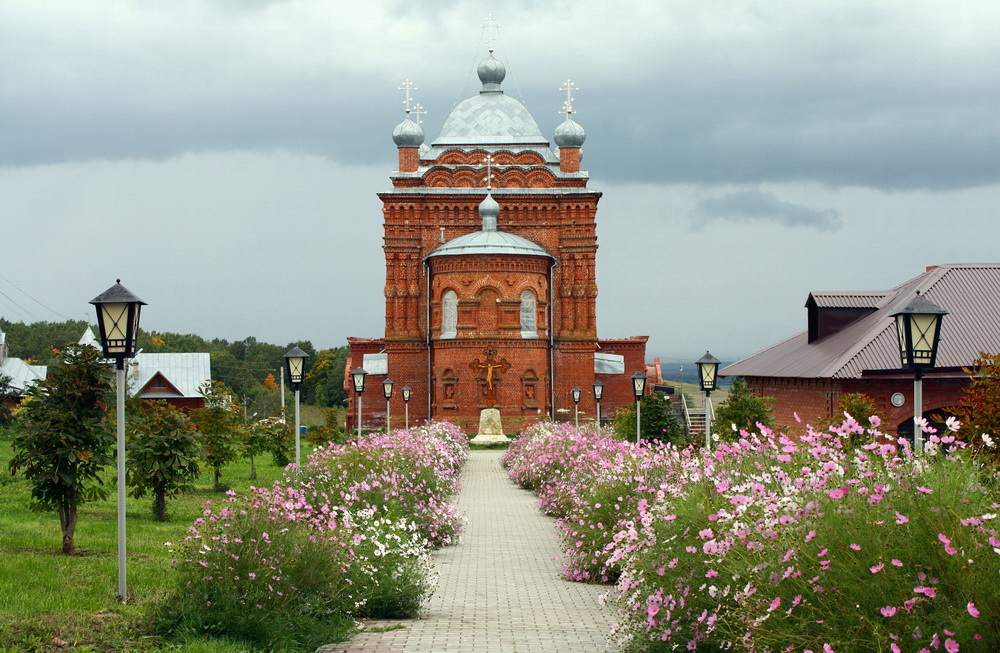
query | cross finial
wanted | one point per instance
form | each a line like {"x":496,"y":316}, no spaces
{"x":407,"y":86}
{"x":568,"y":104}
{"x":488,"y":162}
{"x":491,"y":23}
{"x":418,"y":110}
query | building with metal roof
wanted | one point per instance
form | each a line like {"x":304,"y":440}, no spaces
{"x":21,"y":374}
{"x":490,"y":295}
{"x":850,"y":345}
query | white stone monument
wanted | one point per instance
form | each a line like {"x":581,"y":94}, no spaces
{"x":490,"y":428}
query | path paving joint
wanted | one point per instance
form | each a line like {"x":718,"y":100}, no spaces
{"x":500,"y":588}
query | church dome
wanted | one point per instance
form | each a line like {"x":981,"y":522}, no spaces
{"x":490,"y":118}
{"x":570,"y":134}
{"x":408,"y":134}
{"x":489,"y":240}
{"x":491,"y":72}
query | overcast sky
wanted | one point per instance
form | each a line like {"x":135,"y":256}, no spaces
{"x":222,"y":157}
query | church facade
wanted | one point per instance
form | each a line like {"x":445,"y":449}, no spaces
{"x":490,"y":249}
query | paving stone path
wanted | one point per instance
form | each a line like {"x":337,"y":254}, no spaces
{"x":500,"y":589}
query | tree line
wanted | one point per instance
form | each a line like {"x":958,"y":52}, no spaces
{"x":248,"y":367}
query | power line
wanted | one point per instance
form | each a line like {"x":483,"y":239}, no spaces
{"x":32,"y":298}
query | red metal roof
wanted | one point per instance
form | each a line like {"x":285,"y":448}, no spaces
{"x":969,"y":292}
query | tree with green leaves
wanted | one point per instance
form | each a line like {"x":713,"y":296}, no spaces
{"x":272,"y":435}
{"x":162,"y":455}
{"x":657,"y":418}
{"x":743,"y":409}
{"x":220,"y":425}
{"x":8,"y":395}
{"x":66,"y":442}
{"x":980,"y":410}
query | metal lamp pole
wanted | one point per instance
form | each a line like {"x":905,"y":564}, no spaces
{"x":638,"y":389}
{"x":118,"y":320}
{"x":918,"y":325}
{"x":295,"y":362}
{"x":708,"y":375}
{"x":406,"y":403}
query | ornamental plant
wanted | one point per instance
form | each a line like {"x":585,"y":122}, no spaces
{"x":162,"y":454}
{"x":219,"y":423}
{"x":65,"y":443}
{"x":791,"y":544}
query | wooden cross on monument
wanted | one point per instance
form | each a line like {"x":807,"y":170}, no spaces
{"x":490,"y":365}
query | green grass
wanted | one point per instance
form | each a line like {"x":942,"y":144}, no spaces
{"x":47,"y":597}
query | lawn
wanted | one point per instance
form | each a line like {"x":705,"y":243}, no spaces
{"x":49,"y":601}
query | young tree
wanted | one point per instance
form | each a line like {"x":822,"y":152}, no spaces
{"x":980,"y":410}
{"x":274,"y":436}
{"x":7,"y":397}
{"x":162,"y":454}
{"x":65,"y":442}
{"x":657,"y":418}
{"x":219,"y":423}
{"x":744,"y":409}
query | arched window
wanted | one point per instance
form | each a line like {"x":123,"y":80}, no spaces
{"x":449,"y":314}
{"x":529,"y":324}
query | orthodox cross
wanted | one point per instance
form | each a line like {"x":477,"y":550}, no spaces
{"x":491,"y":23}
{"x":568,"y":104}
{"x":490,"y":365}
{"x":418,"y":110}
{"x":407,"y":86}
{"x":488,"y":162}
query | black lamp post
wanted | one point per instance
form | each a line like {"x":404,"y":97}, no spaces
{"x":638,"y":389}
{"x":576,"y":405}
{"x":359,"y":375}
{"x":708,"y":370}
{"x":295,"y":365}
{"x":406,"y":403}
{"x":918,"y":326}
{"x":118,"y":320}
{"x":387,"y":392}
{"x":598,"y":393}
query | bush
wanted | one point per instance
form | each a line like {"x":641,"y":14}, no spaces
{"x":658,"y":422}
{"x":162,"y":454}
{"x":742,"y":411}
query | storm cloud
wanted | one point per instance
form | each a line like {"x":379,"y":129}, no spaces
{"x":754,"y":205}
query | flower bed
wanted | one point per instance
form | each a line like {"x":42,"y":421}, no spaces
{"x":779,"y":543}
{"x":290,"y":566}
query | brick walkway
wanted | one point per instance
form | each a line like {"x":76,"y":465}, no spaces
{"x":500,"y":589}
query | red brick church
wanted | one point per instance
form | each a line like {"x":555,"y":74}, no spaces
{"x":490,"y":290}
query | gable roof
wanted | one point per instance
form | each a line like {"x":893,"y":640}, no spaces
{"x":969,"y":292}
{"x":185,"y":372}
{"x":22,"y":374}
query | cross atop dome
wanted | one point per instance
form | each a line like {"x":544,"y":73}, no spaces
{"x":418,"y":110}
{"x":568,"y":104}
{"x":407,"y":86}
{"x":491,"y":23}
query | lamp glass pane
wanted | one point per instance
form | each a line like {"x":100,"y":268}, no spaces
{"x":295,"y":366}
{"x":114,"y":328}
{"x":901,"y":333}
{"x":359,"y":381}
{"x":598,"y":391}
{"x":387,"y":389}
{"x":707,"y":372}
{"x":639,"y":385}
{"x":922,"y":335}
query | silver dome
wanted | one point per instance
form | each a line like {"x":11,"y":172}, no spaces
{"x":408,"y":134}
{"x":491,"y":73}
{"x":570,"y":134}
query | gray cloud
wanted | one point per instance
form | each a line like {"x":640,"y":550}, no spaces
{"x":754,"y":205}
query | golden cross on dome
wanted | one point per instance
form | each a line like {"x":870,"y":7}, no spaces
{"x":491,"y":23}
{"x":407,"y":86}
{"x":418,"y":110}
{"x":568,"y":104}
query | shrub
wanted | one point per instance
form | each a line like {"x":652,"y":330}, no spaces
{"x":657,"y":421}
{"x":742,"y":411}
{"x":162,"y":454}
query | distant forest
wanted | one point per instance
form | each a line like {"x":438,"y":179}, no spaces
{"x":244,"y":365}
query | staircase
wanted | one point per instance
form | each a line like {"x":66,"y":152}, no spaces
{"x":694,"y":419}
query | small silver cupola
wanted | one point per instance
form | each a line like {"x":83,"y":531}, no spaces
{"x":491,"y":74}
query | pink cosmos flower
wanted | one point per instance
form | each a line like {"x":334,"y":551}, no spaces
{"x":774,"y":604}
{"x":877,"y":568}
{"x":901,"y":518}
{"x":856,"y":547}
{"x":951,"y":645}
{"x":888,"y":611}
{"x":925,"y":490}
{"x":971,"y":607}
{"x":837,"y":493}
{"x":929,"y":592}
{"x":896,"y":563}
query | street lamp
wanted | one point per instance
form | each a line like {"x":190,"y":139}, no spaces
{"x":638,"y":389}
{"x":387,"y":391}
{"x":576,"y":405}
{"x":118,"y":320}
{"x":358,"y":375}
{"x":918,"y":326}
{"x":598,"y":393}
{"x":295,"y":364}
{"x":708,"y":376}
{"x":406,"y":403}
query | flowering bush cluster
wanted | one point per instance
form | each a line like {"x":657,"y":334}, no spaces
{"x":777,"y":543}
{"x":290,"y":566}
